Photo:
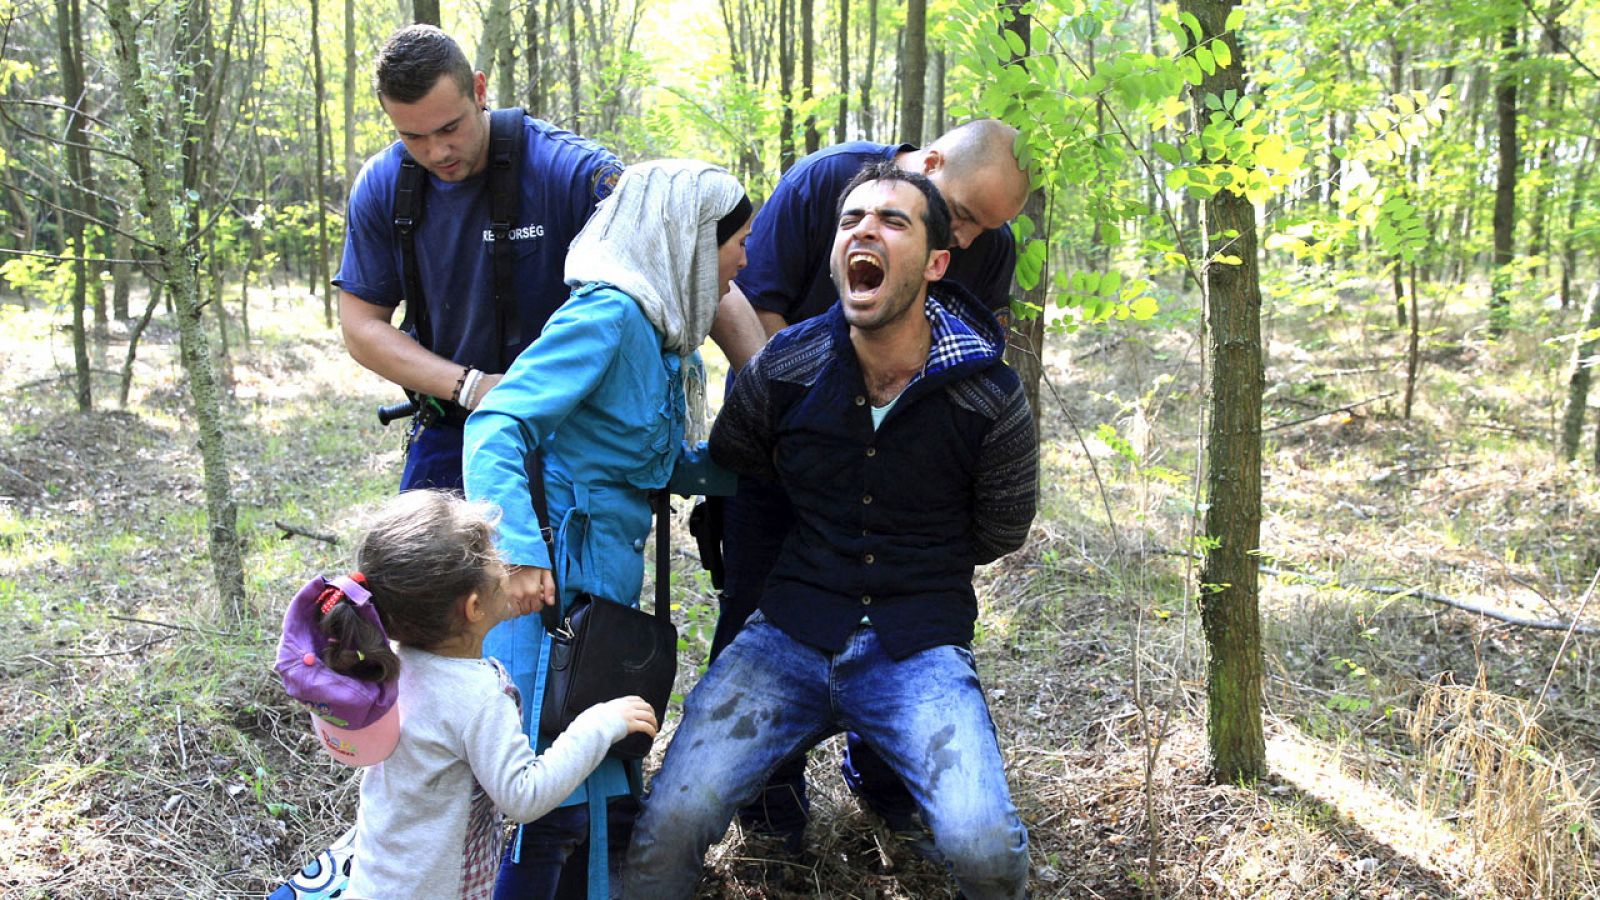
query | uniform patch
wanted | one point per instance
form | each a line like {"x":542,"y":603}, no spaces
{"x":605,"y":180}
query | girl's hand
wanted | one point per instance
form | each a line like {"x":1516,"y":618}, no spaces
{"x":530,"y":589}
{"x":636,"y":713}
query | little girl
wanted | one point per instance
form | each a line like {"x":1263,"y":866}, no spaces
{"x":429,"y":821}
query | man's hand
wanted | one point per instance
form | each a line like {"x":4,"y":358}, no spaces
{"x":530,"y":589}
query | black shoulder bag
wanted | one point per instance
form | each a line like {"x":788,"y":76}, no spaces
{"x":600,"y":649}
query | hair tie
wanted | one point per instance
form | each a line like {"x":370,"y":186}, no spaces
{"x":331,"y":595}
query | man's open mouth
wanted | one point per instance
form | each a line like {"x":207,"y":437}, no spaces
{"x":865,"y":273}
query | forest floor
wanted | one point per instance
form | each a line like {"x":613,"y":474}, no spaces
{"x":1416,"y":750}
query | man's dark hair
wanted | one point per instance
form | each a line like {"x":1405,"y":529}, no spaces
{"x":413,"y":59}
{"x":936,"y":215}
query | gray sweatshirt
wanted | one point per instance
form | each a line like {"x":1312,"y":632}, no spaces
{"x":429,"y":824}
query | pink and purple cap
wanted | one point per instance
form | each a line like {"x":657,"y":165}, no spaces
{"x":356,"y":721}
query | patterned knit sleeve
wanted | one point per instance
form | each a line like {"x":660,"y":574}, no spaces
{"x":1007,"y":488}
{"x":742,"y":438}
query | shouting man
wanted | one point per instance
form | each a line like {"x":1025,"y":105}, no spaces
{"x":907,"y":448}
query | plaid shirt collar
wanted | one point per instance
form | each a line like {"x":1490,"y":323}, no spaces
{"x":953,"y":341}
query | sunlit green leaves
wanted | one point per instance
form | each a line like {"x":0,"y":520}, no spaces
{"x":1030,"y":264}
{"x":1400,"y":230}
{"x":1099,"y":296}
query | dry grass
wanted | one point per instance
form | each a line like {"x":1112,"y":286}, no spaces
{"x":1485,"y":758}
{"x":140,"y":759}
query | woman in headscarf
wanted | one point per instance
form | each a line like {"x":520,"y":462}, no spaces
{"x":608,"y":394}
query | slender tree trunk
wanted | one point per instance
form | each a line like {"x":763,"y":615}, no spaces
{"x":532,"y":36}
{"x":318,"y":119}
{"x":934,"y":122}
{"x":496,"y":34}
{"x":1397,"y":58}
{"x":78,"y":194}
{"x":1025,"y":336}
{"x":1578,"y":382}
{"x":572,"y":63}
{"x":864,"y":113}
{"x":125,"y":383}
{"x":913,"y":71}
{"x":1505,"y":193}
{"x":425,"y":12}
{"x":178,"y":267}
{"x":1413,"y":345}
{"x":1569,"y":247}
{"x":351,"y":164}
{"x":786,"y":154}
{"x":1228,"y":590}
{"x":121,"y":273}
{"x":893,"y":109}
{"x":840,"y":127}
{"x":808,"y":48}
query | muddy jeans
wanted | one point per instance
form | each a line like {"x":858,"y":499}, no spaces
{"x":768,"y":695}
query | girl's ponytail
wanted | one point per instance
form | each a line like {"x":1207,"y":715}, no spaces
{"x":356,"y":647}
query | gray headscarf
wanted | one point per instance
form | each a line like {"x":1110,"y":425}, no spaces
{"x":655,"y":238}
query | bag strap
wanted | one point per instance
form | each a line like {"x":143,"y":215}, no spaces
{"x":407,"y":213}
{"x":660,"y":502}
{"x":506,"y":143}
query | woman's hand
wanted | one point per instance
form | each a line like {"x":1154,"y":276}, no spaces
{"x":530,"y":589}
{"x":636,"y":713}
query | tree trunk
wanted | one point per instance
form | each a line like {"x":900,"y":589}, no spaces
{"x":786,"y":155}
{"x":1578,"y":383}
{"x":1228,"y":589}
{"x":125,"y":383}
{"x":318,"y":118}
{"x":1505,"y":192}
{"x":840,"y":128}
{"x":1025,"y":336}
{"x":351,"y":164}
{"x":178,"y":267}
{"x":913,"y":71}
{"x":532,"y":35}
{"x":572,"y":63}
{"x":425,"y":12}
{"x":121,"y":273}
{"x":496,"y":34}
{"x":78,"y":196}
{"x":934,"y":124}
{"x":808,"y":48}
{"x":1413,"y":345}
{"x":864,"y":113}
{"x":1569,"y":249}
{"x":1397,"y":58}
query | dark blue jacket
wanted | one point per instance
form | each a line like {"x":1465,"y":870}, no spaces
{"x":890,"y":522}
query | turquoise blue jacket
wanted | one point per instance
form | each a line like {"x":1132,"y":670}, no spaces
{"x":606,"y":405}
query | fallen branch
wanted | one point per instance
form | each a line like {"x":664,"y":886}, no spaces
{"x":124,"y":652}
{"x":1323,"y":415}
{"x":171,"y":625}
{"x":1387,"y":590}
{"x":290,"y":530}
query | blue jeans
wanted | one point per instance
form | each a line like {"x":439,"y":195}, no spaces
{"x":756,"y":521}
{"x":552,"y":860}
{"x":768,"y":696}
